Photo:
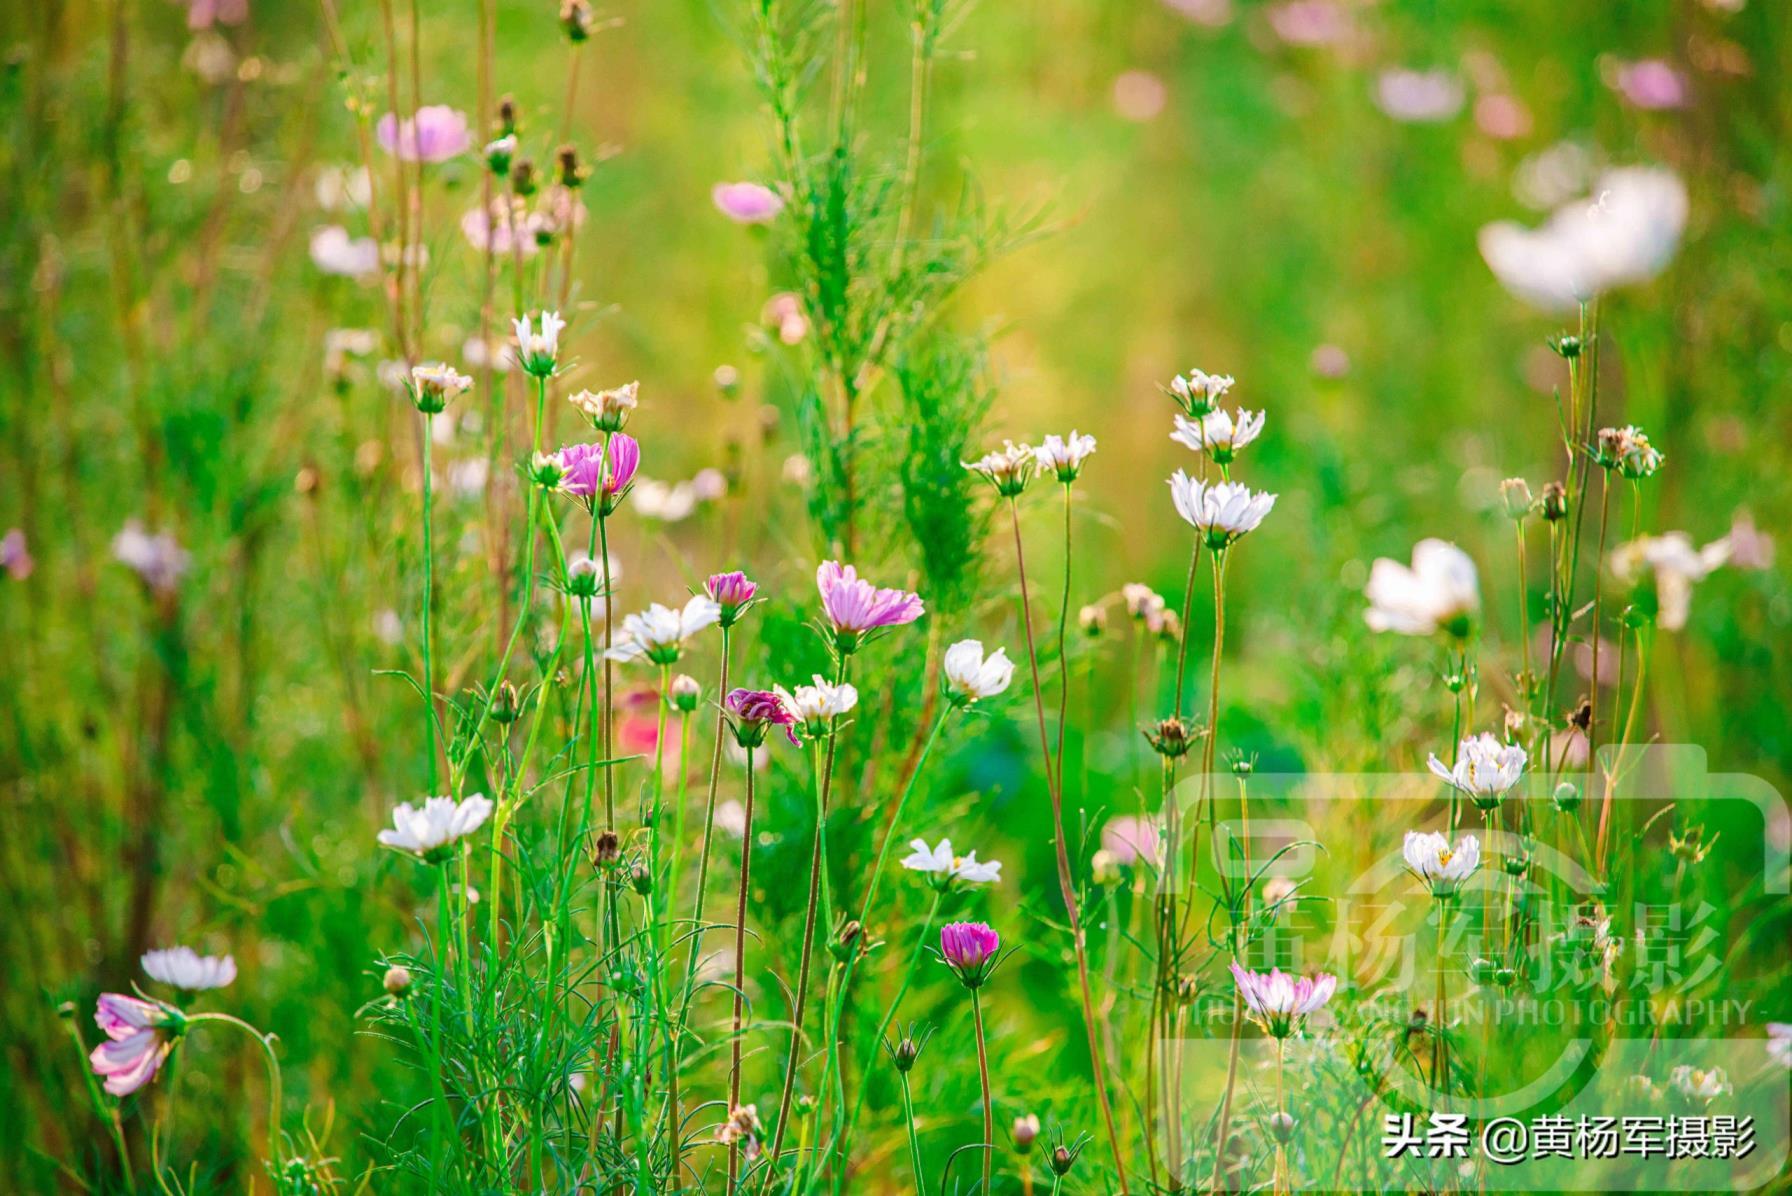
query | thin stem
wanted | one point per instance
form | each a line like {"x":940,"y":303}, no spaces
{"x":740,"y":970}
{"x":1063,"y":658}
{"x":429,"y":569}
{"x":989,"y":1119}
{"x":275,"y":1095}
{"x":908,"y":1120}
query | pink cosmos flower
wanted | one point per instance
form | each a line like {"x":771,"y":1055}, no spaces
{"x":747,"y":203}
{"x":1279,"y":1002}
{"x":756,"y":712}
{"x":203,"y":14}
{"x":599,"y":474}
{"x":435,"y":134}
{"x":15,"y":555}
{"x":1129,"y":839}
{"x":969,"y":948}
{"x":733,"y":592}
{"x":1309,"y":22}
{"x":855,"y":607}
{"x":1650,"y":84}
{"x":140,"y":1034}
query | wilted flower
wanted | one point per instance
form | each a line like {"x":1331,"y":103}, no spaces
{"x":538,"y":351}
{"x":659,"y":632}
{"x":185,"y":968}
{"x":1589,"y":247}
{"x":1441,"y":867}
{"x":159,"y":559}
{"x":1008,"y":468}
{"x":747,"y":203}
{"x":1279,"y":1002}
{"x":1485,"y":769}
{"x":431,"y":832}
{"x":971,"y":676}
{"x":1439,"y":591}
{"x":433,"y":385}
{"x":1170,"y":737}
{"x":1674,"y":564}
{"x":140,"y":1034}
{"x":733,"y":593}
{"x":969,"y":949}
{"x":817,"y":705}
{"x":1221,"y":512}
{"x":435,"y":134}
{"x":608,"y":410}
{"x":756,"y":712}
{"x":1628,"y":451}
{"x":1199,"y":393}
{"x":1064,"y":456}
{"x":855,"y":607}
{"x":943,"y":868}
{"x":1419,"y":97}
{"x":742,"y":1127}
{"x":334,"y":251}
{"x":1131,"y":839}
{"x":1554,"y":503}
{"x":1218,"y":434}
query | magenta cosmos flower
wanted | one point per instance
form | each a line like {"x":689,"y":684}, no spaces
{"x":1279,"y":1002}
{"x":599,"y":475}
{"x":435,"y":134}
{"x":855,"y":607}
{"x":747,"y":203}
{"x":733,"y":592}
{"x":969,"y":948}
{"x":756,"y":712}
{"x":140,"y":1034}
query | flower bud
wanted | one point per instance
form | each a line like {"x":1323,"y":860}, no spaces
{"x":505,"y":705}
{"x":685,"y":693}
{"x":1281,"y":1128}
{"x":576,"y":19}
{"x":846,"y":941}
{"x":572,"y":175}
{"x":1517,"y":865}
{"x":1555,"y":502}
{"x":499,"y":152}
{"x":1093,"y":620}
{"x":1515,"y":493}
{"x":582,"y":577}
{"x":545,"y":470}
{"x":1026,"y":1132}
{"x":640,"y":879}
{"x":397,"y":980}
{"x":1062,"y":1159}
{"x":1567,"y":347}
{"x":1505,"y":977}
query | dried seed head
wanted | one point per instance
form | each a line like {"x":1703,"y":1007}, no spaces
{"x":605,"y":849}
{"x":1555,"y":502}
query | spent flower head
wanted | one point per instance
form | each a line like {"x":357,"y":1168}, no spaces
{"x":434,"y":384}
{"x":1628,"y":451}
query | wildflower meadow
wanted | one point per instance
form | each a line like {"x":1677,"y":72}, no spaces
{"x":895,"y":596}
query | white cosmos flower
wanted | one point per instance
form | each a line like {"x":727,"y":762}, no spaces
{"x":185,"y":968}
{"x":1223,"y":511}
{"x":440,"y":823}
{"x":335,"y":252}
{"x":1625,"y":233}
{"x":1200,"y":392}
{"x":1064,"y":456}
{"x":1485,"y":769}
{"x":539,"y":350}
{"x":658,"y":633}
{"x":1439,"y":590}
{"x":817,"y":705}
{"x":971,"y":676}
{"x":1218,"y":433}
{"x":608,"y":410}
{"x":1779,"y":1043}
{"x":943,"y":867}
{"x":1008,"y":468}
{"x":1443,"y":868}
{"x":1676,"y":564}
{"x":1697,"y":1084}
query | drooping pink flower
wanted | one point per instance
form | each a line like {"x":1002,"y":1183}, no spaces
{"x":435,"y":134}
{"x":1279,"y":1002}
{"x":969,"y":948}
{"x":855,"y":607}
{"x":747,"y":203}
{"x":756,"y":712}
{"x":733,"y":592}
{"x":140,"y":1034}
{"x":1650,"y":84}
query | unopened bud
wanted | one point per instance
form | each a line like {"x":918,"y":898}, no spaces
{"x":1063,"y":1159}
{"x":1026,"y":1131}
{"x":1515,"y":493}
{"x":1281,"y":1128}
{"x":397,"y":980}
{"x":1170,"y":737}
{"x":684,"y":693}
{"x":640,"y":879}
{"x":1555,"y":502}
{"x":845,"y":943}
{"x":505,"y":704}
{"x":1567,"y":797}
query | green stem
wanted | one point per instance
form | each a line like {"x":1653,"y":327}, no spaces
{"x":740,"y":971}
{"x":989,"y":1120}
{"x":276,"y":1153}
{"x":429,"y":569}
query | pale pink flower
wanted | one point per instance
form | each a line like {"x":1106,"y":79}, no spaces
{"x":1650,"y":84}
{"x":1309,"y":22}
{"x":1419,"y":97}
{"x":1130,"y":839}
{"x":140,"y":1034}
{"x":15,"y":556}
{"x":855,"y":607}
{"x":1279,"y":1002}
{"x":203,"y":14}
{"x":747,"y":203}
{"x":334,"y":251}
{"x":435,"y":134}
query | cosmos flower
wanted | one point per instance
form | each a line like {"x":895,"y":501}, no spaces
{"x":140,"y":1034}
{"x":817,"y":705}
{"x":855,"y":608}
{"x":1628,"y":451}
{"x":1144,"y":604}
{"x":747,"y":203}
{"x":1625,"y":236}
{"x":1442,"y":868}
{"x":433,"y":385}
{"x":1419,"y":97}
{"x":1439,"y":591}
{"x":1673,"y":564}
{"x":608,"y":410}
{"x":203,"y":14}
{"x":969,"y":949}
{"x":1064,"y":456}
{"x":335,"y":252}
{"x":1130,"y":839}
{"x":1485,"y":769}
{"x":159,"y":559}
{"x":505,"y":227}
{"x":435,"y":134}
{"x":658,"y":633}
{"x":733,"y":592}
{"x":15,"y":555}
{"x":756,"y":712}
{"x":1221,"y":512}
{"x":1008,"y":468}
{"x":430,"y":832}
{"x":1650,"y":84}
{"x":185,"y":968}
{"x":943,"y":868}
{"x":971,"y":676}
{"x":1309,"y":22}
{"x":1279,"y":1002}
{"x":1198,"y":393}
{"x":539,"y":351}
{"x":1218,"y":434}
{"x":1700,"y":1085}
{"x":599,"y":475}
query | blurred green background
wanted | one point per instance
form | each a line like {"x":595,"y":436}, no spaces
{"x":207,"y":765}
